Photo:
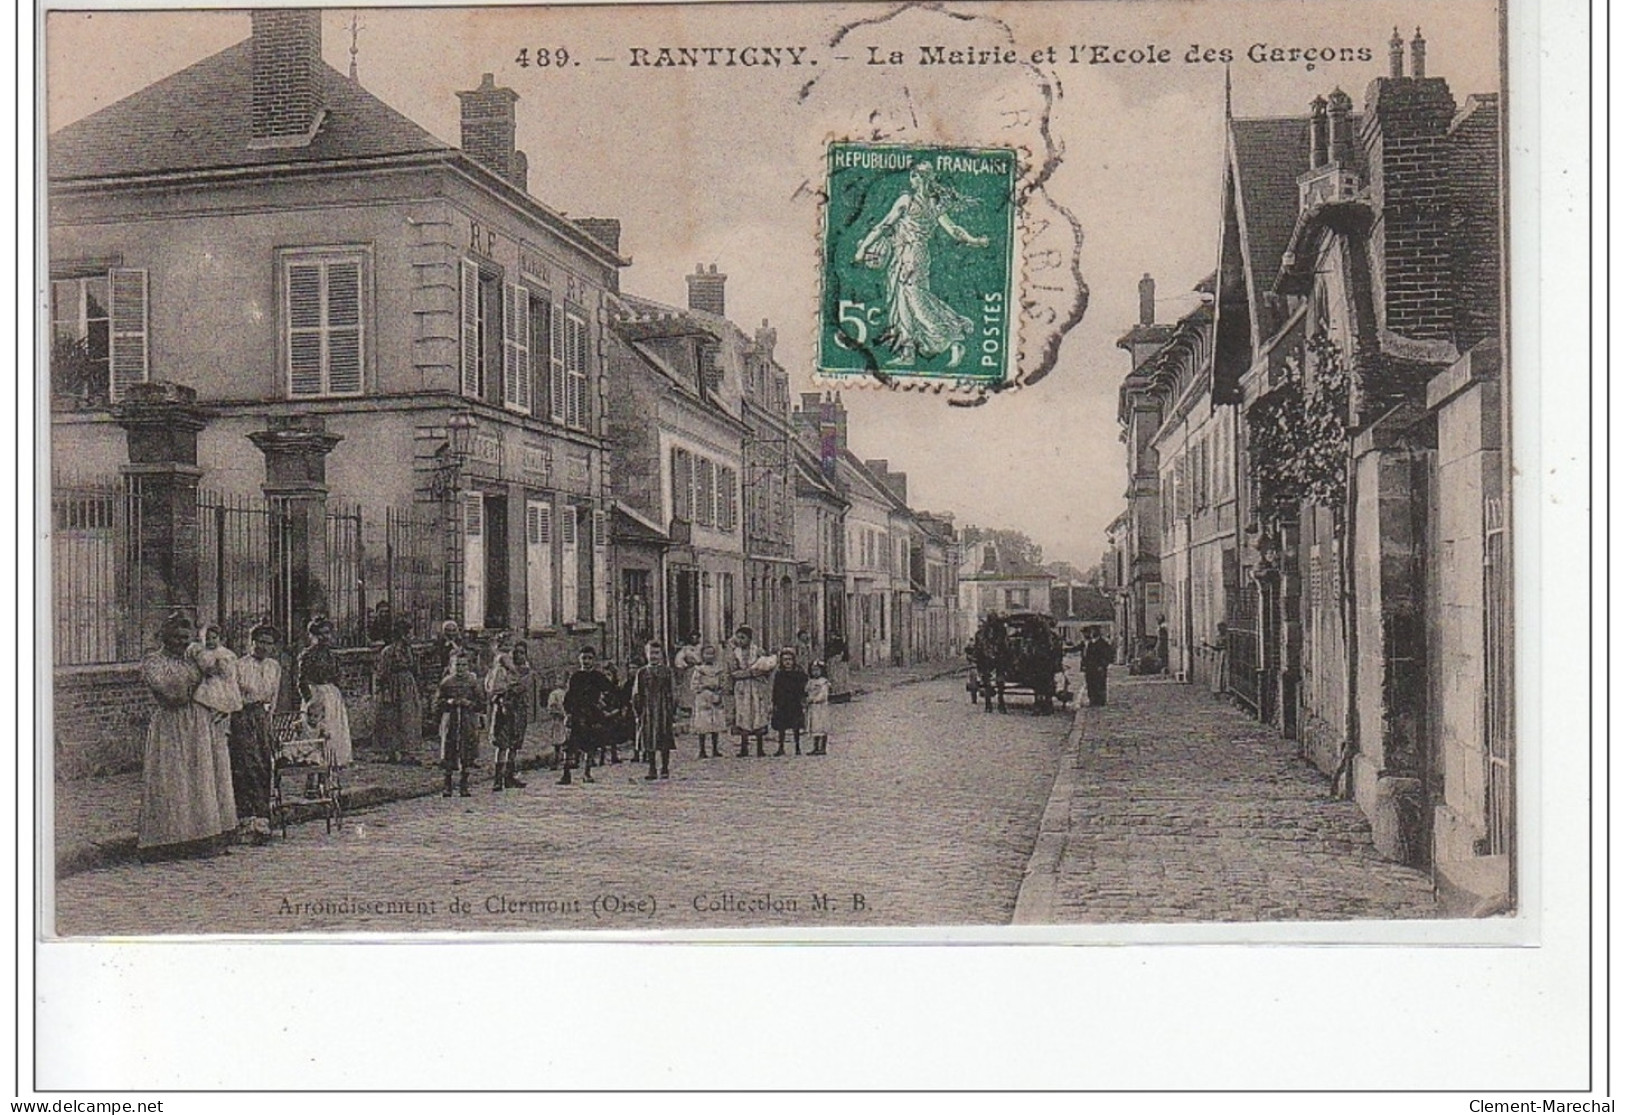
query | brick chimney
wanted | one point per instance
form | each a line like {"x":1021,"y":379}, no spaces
{"x":705,"y":290}
{"x":895,"y":482}
{"x":487,"y":120}
{"x":1405,"y":131}
{"x":1148,"y":299}
{"x":1319,"y":133}
{"x":1396,"y":55}
{"x":605,"y":230}
{"x":287,"y":91}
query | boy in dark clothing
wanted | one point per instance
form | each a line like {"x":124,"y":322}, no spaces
{"x":789,"y":699}
{"x":460,"y":700}
{"x":586,"y":698}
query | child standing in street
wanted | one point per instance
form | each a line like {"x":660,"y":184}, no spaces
{"x":818,"y":708}
{"x":460,"y":700}
{"x":789,"y":699}
{"x":710,"y":713}
{"x":654,"y":705}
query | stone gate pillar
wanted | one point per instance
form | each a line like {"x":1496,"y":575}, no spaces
{"x":296,"y":449}
{"x":162,"y":422}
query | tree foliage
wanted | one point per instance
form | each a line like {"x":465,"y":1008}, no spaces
{"x":1298,"y":436}
{"x":1013,"y":544}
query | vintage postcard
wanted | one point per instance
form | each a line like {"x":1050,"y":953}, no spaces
{"x":779,"y":469}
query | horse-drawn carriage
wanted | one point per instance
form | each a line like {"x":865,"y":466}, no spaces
{"x":1019,"y":653}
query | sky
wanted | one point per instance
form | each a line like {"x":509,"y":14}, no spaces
{"x":710,"y":166}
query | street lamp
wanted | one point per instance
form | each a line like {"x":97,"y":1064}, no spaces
{"x":454,"y":453}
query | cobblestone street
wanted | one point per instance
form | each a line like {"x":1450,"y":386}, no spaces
{"x":1179,"y":808}
{"x":925,"y":807}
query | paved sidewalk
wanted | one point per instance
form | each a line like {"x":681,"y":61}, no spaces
{"x":96,"y":817}
{"x":1174,"y":806}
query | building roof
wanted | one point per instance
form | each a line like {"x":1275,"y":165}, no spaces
{"x":627,"y":525}
{"x":984,"y":561}
{"x":199,"y":119}
{"x":1268,"y":155}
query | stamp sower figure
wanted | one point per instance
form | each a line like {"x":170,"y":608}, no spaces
{"x":918,"y":323}
{"x":259,"y":678}
{"x":654,"y":703}
{"x":586,"y":697}
{"x":818,"y":708}
{"x":397,"y":726}
{"x":1097,"y":656}
{"x":709,"y":680}
{"x":789,"y":699}
{"x":511,"y":686}
{"x":750,"y":668}
{"x":460,"y":700}
{"x":186,"y":794}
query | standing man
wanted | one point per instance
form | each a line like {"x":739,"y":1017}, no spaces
{"x":586,"y":703}
{"x":1162,"y":644}
{"x":752,"y":698}
{"x":1097,"y":657}
{"x":259,"y":677}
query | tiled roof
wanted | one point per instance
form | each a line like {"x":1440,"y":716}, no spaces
{"x":198,"y":119}
{"x":1270,"y":154}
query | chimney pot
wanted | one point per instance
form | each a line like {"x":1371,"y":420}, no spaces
{"x":1419,"y":56}
{"x":1319,"y":139}
{"x":1148,"y":299}
{"x":1396,"y":55}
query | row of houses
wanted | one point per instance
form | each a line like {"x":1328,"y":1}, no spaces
{"x":339,"y":366}
{"x":1316,"y":499}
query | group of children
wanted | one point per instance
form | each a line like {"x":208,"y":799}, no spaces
{"x":604,"y":714}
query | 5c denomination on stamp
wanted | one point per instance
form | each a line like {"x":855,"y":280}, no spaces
{"x":918,"y":254}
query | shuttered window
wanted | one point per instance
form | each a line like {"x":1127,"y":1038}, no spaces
{"x":473,"y":559}
{"x":682,"y":485}
{"x":556,"y":389}
{"x":472,"y":364}
{"x":727,"y":499}
{"x":325,"y":326}
{"x":705,"y":493}
{"x":539,"y":582}
{"x":106,"y":316}
{"x":516,"y":347}
{"x":578,"y":404}
{"x":569,"y":565}
{"x":600,"y":565}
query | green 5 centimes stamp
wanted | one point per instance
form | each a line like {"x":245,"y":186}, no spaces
{"x":918,"y":248}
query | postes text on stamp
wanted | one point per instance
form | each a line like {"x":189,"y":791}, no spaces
{"x":917,"y":256}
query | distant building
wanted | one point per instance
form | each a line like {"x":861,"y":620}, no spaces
{"x":993,"y":581}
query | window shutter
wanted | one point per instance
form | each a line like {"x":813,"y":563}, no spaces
{"x":705,"y":493}
{"x":473,"y":559}
{"x":728,"y":491}
{"x":515,"y":347}
{"x":555,"y":391}
{"x":539,"y":562}
{"x":470,"y":328}
{"x":128,"y":362}
{"x":600,"y":565}
{"x":570,"y":558}
{"x":305,"y":329}
{"x":344,"y":328}
{"x":682,"y":485}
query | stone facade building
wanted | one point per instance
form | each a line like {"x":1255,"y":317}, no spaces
{"x":1356,"y":327}
{"x":359,"y":311}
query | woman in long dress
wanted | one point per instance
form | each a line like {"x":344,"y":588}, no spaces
{"x":319,"y":687}
{"x":751,"y":671}
{"x":186,"y":796}
{"x":708,"y":681}
{"x":654,"y":707}
{"x":397,"y":728}
{"x":918,"y":323}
